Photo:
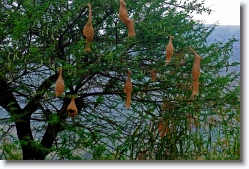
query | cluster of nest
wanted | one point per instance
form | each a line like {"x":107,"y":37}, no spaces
{"x":88,"y":33}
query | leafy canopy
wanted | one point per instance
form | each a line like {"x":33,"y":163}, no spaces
{"x":38,"y":37}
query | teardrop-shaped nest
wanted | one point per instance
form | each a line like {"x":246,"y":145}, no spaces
{"x":59,"y":85}
{"x":72,"y":109}
{"x":169,"y":50}
{"x":88,"y":32}
{"x":123,"y":14}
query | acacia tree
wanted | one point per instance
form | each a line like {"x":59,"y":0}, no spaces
{"x":164,"y":122}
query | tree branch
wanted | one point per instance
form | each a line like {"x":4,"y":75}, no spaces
{"x":34,"y":104}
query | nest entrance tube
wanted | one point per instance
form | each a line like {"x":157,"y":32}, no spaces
{"x":72,"y":109}
{"x":128,"y":89}
{"x":130,"y":26}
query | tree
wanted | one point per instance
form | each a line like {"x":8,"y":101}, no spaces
{"x":164,"y":122}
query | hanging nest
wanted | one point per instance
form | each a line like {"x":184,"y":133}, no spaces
{"x":71,"y":108}
{"x":128,"y":89}
{"x":169,"y":50}
{"x":153,"y":74}
{"x":196,"y":73}
{"x":88,"y":30}
{"x":59,"y":85}
{"x":123,"y":16}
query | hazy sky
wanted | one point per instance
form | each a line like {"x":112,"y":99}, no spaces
{"x":226,"y":11}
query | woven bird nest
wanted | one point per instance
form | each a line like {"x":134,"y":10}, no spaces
{"x":169,"y":50}
{"x":123,"y":16}
{"x":72,"y":109}
{"x":196,"y":72}
{"x":88,"y":30}
{"x":59,"y":85}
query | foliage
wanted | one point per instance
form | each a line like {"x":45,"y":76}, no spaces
{"x":38,"y":37}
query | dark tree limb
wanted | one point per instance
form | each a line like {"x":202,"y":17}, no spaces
{"x":34,"y":104}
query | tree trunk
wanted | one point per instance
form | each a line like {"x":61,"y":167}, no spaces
{"x":32,"y":150}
